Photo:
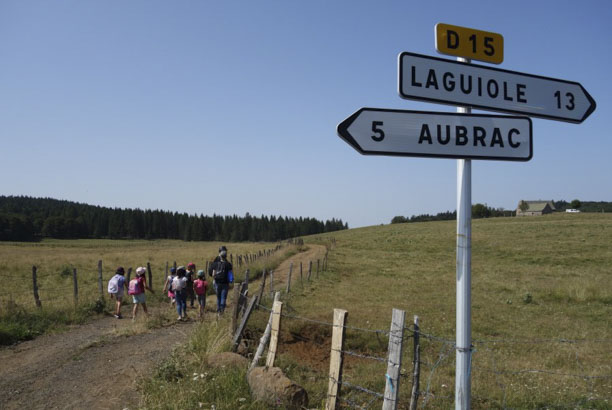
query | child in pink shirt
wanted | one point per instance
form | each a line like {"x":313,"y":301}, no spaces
{"x":199,"y":286}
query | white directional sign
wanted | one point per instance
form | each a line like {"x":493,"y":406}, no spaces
{"x":444,"y":81}
{"x":376,"y":131}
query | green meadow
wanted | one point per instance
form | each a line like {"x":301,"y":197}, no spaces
{"x":541,"y":311}
{"x":536,"y":281}
{"x":541,"y":304}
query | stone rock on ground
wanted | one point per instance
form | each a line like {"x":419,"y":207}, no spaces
{"x":227,"y":359}
{"x":243,"y":348}
{"x":271,"y":386}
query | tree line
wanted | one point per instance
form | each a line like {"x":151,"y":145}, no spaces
{"x":25,"y":218}
{"x":478,"y":211}
{"x":584,"y":206}
{"x":484,"y":211}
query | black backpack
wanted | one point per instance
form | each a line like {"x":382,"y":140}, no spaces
{"x":220,"y":273}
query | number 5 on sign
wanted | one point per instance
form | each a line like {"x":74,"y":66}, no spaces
{"x":469,"y":43}
{"x":380,"y":134}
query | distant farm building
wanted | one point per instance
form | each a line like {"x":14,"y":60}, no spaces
{"x":534,"y":208}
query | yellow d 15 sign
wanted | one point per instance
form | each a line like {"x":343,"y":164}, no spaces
{"x":469,"y":43}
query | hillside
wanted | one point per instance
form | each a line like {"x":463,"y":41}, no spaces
{"x":537,"y":283}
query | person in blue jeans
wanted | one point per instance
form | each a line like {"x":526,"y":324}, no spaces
{"x":179,"y":285}
{"x":221,"y":271}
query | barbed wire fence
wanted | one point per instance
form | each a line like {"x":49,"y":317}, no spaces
{"x":497,"y":379}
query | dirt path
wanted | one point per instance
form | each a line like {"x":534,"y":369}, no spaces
{"x":281,"y":273}
{"x":96,"y":365}
{"x":90,"y":366}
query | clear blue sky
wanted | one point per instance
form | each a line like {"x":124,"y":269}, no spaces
{"x":232,"y":106}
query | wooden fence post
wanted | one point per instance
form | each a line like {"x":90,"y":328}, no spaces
{"x":263,"y":284}
{"x":35,"y":288}
{"x":301,"y":275}
{"x":234,"y":324}
{"x":309,"y":270}
{"x":271,"y":284}
{"x":416,"y":365}
{"x":150,"y":275}
{"x":318,"y":260}
{"x":289,"y":278}
{"x":129,"y":275}
{"x":245,"y":319}
{"x":263,"y":341}
{"x":100,"y":286}
{"x":394,"y":362}
{"x":246,"y":277}
{"x":277,"y":309}
{"x":166,"y":276}
{"x":242,"y":299}
{"x":335,"y":359}
{"x":75,"y":286}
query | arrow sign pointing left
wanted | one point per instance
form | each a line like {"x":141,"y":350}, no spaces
{"x":377,"y":131}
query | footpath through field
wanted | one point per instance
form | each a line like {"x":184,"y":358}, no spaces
{"x":97,"y":365}
{"x":281,"y":273}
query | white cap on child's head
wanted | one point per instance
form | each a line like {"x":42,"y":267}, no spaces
{"x":141,"y":270}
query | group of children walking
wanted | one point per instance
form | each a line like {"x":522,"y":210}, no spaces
{"x":182,"y":284}
{"x":136,"y":288}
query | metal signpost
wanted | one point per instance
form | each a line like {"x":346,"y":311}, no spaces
{"x":465,"y":136}
{"x":463,"y":314}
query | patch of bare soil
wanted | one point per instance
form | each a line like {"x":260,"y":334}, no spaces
{"x":89,"y":366}
{"x":311,"y":347}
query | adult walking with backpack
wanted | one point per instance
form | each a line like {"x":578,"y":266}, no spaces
{"x":137,"y":288}
{"x":221,"y":271}
{"x":116,"y":284}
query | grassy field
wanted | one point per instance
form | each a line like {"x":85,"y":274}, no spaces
{"x":541,"y":310}
{"x":55,"y":261}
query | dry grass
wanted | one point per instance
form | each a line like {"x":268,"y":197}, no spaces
{"x":56,"y":259}
{"x":532,"y":279}
{"x":535,"y":283}
{"x":185,"y":381}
